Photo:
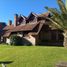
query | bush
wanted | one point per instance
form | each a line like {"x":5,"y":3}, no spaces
{"x":15,"y":40}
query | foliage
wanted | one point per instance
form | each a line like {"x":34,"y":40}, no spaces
{"x":59,"y":16}
{"x":66,"y":3}
{"x":15,"y":40}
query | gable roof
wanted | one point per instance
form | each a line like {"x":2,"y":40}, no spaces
{"x":26,"y":27}
{"x":39,"y":29}
{"x":44,"y":14}
{"x":6,"y":34}
{"x":22,"y":16}
{"x":9,"y":27}
{"x":32,"y":14}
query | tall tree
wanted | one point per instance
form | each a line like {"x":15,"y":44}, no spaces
{"x":59,"y":18}
{"x":66,"y":3}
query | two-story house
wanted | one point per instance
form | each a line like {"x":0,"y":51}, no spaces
{"x":35,"y":29}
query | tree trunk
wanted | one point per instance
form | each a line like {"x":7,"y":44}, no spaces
{"x":3,"y":65}
{"x":65,"y":39}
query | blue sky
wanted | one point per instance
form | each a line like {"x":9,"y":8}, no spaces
{"x":10,"y":7}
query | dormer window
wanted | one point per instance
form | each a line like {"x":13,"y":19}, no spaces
{"x":22,"y":20}
{"x":32,"y":18}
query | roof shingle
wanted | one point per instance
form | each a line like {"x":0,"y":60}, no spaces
{"x":9,"y":27}
{"x":26,"y":27}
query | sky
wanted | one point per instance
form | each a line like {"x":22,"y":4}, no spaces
{"x":8,"y":8}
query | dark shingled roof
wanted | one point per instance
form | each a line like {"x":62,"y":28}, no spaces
{"x":7,"y":34}
{"x":9,"y":27}
{"x":27,"y":27}
{"x":39,"y":29}
{"x":44,"y":14}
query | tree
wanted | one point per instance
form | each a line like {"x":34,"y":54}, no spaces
{"x":66,"y":4}
{"x":15,"y":40}
{"x":59,"y":18}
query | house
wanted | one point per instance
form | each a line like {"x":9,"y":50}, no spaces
{"x":35,"y":29}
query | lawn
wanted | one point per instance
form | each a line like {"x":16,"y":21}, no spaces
{"x":32,"y":56}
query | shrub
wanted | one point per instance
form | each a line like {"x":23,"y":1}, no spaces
{"x":15,"y":40}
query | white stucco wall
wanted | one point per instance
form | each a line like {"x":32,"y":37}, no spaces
{"x":20,"y":35}
{"x":31,"y":39}
{"x":8,"y":41}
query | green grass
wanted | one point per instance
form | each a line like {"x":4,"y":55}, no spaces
{"x":32,"y":56}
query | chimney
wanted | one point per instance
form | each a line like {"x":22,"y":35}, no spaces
{"x":16,"y":20}
{"x":10,"y":22}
